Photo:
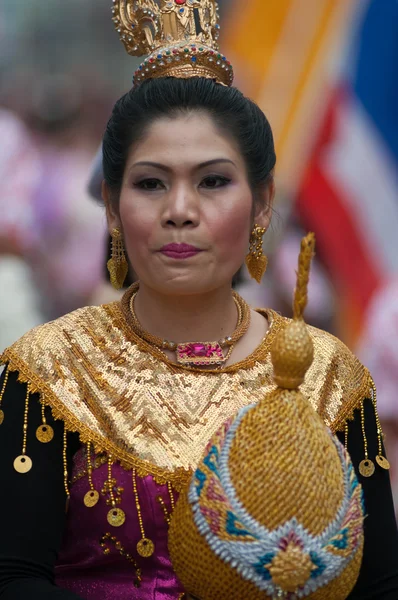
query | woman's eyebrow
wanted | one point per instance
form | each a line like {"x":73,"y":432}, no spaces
{"x":207,"y":163}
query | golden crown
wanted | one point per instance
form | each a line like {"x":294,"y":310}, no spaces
{"x":180,"y":38}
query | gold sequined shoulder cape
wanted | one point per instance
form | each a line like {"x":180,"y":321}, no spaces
{"x":129,"y":401}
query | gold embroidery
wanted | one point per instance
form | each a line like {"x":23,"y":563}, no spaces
{"x":108,"y":539}
{"x":99,"y":460}
{"x":166,"y":512}
{"x":155,"y":416}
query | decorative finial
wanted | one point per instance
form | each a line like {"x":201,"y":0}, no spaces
{"x":274,"y":509}
{"x":292,"y":352}
{"x":303,"y":275}
{"x":180,"y":37}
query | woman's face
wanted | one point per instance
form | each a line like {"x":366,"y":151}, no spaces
{"x":186,"y":207}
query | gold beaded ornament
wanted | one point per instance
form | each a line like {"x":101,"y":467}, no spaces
{"x":92,"y":496}
{"x":180,"y":37}
{"x":167,"y":513}
{"x":380,"y":459}
{"x":256,"y":260}
{"x":23,"y":463}
{"x":6,"y":376}
{"x":44,"y":433}
{"x":271,"y":516}
{"x":116,"y":516}
{"x":145,"y":546}
{"x":366,"y":466}
{"x":65,"y":465}
{"x":117,"y":265}
{"x":171,"y":495}
{"x":108,"y":539}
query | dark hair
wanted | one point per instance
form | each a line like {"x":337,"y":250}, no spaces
{"x":231,"y":111}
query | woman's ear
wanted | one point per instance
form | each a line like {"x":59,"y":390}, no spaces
{"x":264,"y":202}
{"x":112,"y":215}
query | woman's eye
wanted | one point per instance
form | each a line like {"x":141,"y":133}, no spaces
{"x":149,"y":184}
{"x":214,"y":181}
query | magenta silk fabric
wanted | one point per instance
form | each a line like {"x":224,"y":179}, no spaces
{"x":83,"y":567}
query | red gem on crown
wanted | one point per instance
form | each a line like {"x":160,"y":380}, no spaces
{"x":180,"y":2}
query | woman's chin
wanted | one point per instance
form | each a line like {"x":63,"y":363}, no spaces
{"x":182,"y":285}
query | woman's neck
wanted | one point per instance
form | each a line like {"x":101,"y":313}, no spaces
{"x":194,"y":318}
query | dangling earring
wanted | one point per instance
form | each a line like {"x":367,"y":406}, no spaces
{"x":117,"y":264}
{"x":256,"y":261}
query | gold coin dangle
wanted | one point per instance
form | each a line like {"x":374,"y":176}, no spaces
{"x":45,"y":433}
{"x":1,"y":416}
{"x":116,"y":517}
{"x":91,"y":498}
{"x":383,"y":462}
{"x":380,"y":459}
{"x":145,"y":547}
{"x":23,"y":464}
{"x":366,"y":467}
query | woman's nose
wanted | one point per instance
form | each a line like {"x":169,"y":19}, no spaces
{"x":181,"y":208}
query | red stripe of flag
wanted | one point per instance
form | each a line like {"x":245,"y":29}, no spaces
{"x":323,"y":208}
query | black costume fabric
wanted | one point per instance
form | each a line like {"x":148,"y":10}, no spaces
{"x":32,"y":508}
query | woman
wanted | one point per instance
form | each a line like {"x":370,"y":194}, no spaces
{"x":137,"y":388}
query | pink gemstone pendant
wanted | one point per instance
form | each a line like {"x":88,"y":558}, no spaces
{"x":200,"y":354}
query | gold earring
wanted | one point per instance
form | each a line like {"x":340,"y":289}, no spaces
{"x":256,"y":261}
{"x":117,"y":264}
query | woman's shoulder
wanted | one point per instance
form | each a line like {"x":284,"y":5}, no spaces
{"x":57,"y":354}
{"x":63,"y":332}
{"x":337,"y":382}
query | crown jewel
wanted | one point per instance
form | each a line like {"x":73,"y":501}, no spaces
{"x":180,"y":37}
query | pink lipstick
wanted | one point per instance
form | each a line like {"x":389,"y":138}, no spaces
{"x":179,"y":251}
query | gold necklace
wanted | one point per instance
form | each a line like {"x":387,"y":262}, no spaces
{"x":197,"y":354}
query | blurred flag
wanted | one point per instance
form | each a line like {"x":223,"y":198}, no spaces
{"x":349,"y":193}
{"x":279,"y":49}
{"x":324,"y":72}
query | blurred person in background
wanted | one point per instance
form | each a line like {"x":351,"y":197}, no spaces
{"x":52,"y":236}
{"x":49,"y":226}
{"x":61,"y":91}
{"x":20,"y":308}
{"x":69,"y":254}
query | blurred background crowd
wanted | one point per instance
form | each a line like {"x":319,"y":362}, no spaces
{"x":324,"y":72}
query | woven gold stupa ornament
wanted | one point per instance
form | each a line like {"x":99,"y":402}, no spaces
{"x":180,"y":38}
{"x":274,"y":509}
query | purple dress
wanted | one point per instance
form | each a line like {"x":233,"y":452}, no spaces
{"x":93,"y":571}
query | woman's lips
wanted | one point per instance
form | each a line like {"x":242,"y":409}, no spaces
{"x":179,"y":251}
